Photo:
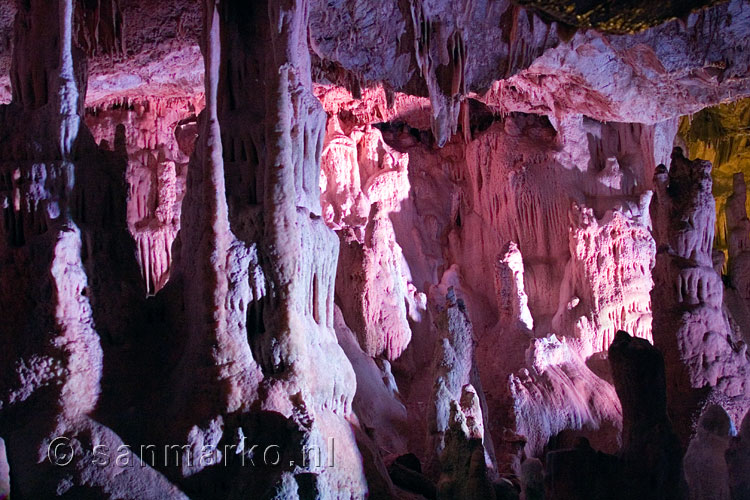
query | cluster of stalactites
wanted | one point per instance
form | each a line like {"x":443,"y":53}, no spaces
{"x":442,"y":60}
{"x":98,"y":26}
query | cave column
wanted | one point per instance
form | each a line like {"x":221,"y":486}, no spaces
{"x":703,"y":359}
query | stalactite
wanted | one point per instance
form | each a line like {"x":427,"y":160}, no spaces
{"x":98,"y":27}
{"x":445,"y":78}
{"x":608,"y":278}
{"x":299,"y":225}
{"x":269,"y":265}
{"x":365,"y":180}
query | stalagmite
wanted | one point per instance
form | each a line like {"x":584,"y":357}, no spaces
{"x":513,"y":304}
{"x":263,"y":335}
{"x":342,"y":249}
{"x":704,"y":358}
{"x":705,"y":466}
{"x":4,"y":472}
{"x":458,"y":414}
{"x":650,"y":451}
{"x":56,"y":378}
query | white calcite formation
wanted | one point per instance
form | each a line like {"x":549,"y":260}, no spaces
{"x":512,"y":301}
{"x":263,"y":336}
{"x":396,"y":243}
{"x":4,"y":472}
{"x":608,"y":279}
{"x":458,"y":409}
{"x":363,"y":180}
{"x":557,"y":373}
{"x":158,"y":136}
{"x":377,"y":402}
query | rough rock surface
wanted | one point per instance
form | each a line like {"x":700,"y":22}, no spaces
{"x":649,"y":463}
{"x":362,"y":181}
{"x":54,"y":381}
{"x":158,"y":136}
{"x":705,"y":358}
{"x":458,"y":416}
{"x":557,"y":373}
{"x":263,"y":335}
{"x":230,"y":223}
{"x":377,"y":402}
{"x":717,"y":134}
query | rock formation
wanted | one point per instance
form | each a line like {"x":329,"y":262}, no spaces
{"x":360,"y":249}
{"x":737,"y":458}
{"x":53,"y":381}
{"x":650,"y":451}
{"x":558,"y":373}
{"x":4,"y":472}
{"x":158,"y":139}
{"x":648,"y":465}
{"x":738,"y":237}
{"x":364,"y":180}
{"x":458,"y":416}
{"x":263,"y":334}
{"x":705,"y":358}
{"x":705,"y":466}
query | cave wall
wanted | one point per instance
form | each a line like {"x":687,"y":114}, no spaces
{"x":368,"y":230}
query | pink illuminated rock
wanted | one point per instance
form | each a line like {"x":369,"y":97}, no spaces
{"x":703,"y":355}
{"x":374,"y":235}
{"x":558,"y":392}
{"x":155,"y":135}
{"x":513,"y":303}
{"x":363,"y":180}
{"x":4,"y":472}
{"x":55,"y":380}
{"x":608,"y":277}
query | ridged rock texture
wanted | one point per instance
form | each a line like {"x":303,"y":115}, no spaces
{"x":374,"y":249}
{"x":709,"y":359}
